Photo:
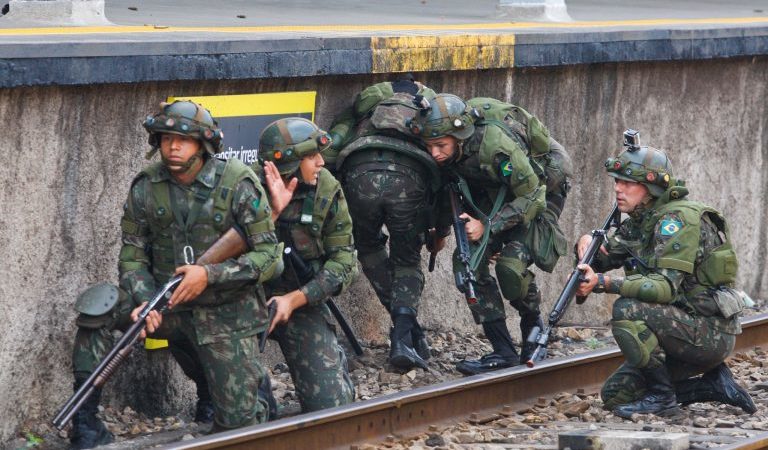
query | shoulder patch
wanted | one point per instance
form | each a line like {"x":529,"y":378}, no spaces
{"x":506,"y":168}
{"x":670,"y":227}
{"x":255,"y":204}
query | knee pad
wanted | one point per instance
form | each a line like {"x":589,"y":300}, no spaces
{"x":513,"y":278}
{"x":97,"y":305}
{"x":635,"y":340}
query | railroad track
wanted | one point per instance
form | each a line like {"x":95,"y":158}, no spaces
{"x":411,"y":412}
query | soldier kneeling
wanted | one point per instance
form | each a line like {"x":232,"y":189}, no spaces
{"x":677,"y":315}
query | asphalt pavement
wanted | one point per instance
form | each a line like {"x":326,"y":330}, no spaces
{"x":261,"y":13}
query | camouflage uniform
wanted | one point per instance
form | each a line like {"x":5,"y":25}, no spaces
{"x":676,"y":316}
{"x":501,"y":188}
{"x":317,"y":227}
{"x":162,"y":217}
{"x":679,"y":321}
{"x":389,"y":181}
{"x":308,"y":341}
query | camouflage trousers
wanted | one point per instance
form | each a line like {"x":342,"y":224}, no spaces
{"x":394,"y":195}
{"x":687,"y":345}
{"x":230,"y":365}
{"x":317,"y":362}
{"x":516,"y":282}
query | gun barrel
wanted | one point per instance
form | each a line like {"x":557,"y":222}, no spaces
{"x":569,"y":290}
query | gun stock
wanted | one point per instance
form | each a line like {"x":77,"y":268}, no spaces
{"x":231,"y":244}
{"x":539,"y":336}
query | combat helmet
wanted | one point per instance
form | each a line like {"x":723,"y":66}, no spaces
{"x":641,"y":164}
{"x":185,"y":118}
{"x":444,"y":115}
{"x":286,"y":141}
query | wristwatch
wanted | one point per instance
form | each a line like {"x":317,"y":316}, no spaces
{"x":600,"y":286}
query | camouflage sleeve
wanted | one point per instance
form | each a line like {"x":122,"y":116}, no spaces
{"x":252,"y":213}
{"x":340,"y":132}
{"x":340,"y":267}
{"x":134,"y":261}
{"x":514,"y":170}
{"x":664,"y":283}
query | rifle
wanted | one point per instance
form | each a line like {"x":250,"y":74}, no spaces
{"x":229,"y":245}
{"x":303,"y":273}
{"x":541,"y":337}
{"x":465,"y":279}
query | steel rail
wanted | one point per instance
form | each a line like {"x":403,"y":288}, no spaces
{"x":409,"y":412}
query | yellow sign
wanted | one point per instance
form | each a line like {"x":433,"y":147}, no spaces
{"x":242,"y":117}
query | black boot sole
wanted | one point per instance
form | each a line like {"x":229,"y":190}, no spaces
{"x":406,"y":363}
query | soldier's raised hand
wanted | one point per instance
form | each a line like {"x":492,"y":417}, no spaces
{"x":280,"y":194}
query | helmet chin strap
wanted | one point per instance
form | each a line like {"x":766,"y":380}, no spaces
{"x":185,"y":167}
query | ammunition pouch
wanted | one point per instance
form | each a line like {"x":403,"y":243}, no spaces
{"x":546,"y":241}
{"x":719,"y":267}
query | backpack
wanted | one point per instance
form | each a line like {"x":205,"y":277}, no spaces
{"x":550,"y":162}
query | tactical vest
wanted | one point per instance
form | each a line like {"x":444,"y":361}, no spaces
{"x":715,"y":273}
{"x":306,"y":231}
{"x":551,"y":163}
{"x":718,"y":267}
{"x":211,"y":210}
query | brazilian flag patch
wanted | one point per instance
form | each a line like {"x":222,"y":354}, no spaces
{"x":670,"y":226}
{"x":506,"y":168}
{"x":255,"y":204}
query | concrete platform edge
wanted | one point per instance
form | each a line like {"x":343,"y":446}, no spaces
{"x":108,"y":59}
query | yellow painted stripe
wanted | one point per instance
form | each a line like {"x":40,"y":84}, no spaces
{"x":425,"y":53}
{"x":155,"y":344}
{"x":256,"y":104}
{"x":381,"y":28}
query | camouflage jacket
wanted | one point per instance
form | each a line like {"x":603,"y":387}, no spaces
{"x":154,"y":237}
{"x":676,"y":251}
{"x":317,"y":225}
{"x":489,"y":161}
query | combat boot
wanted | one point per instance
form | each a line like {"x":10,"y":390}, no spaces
{"x":204,"y":411}
{"x":659,"y":398}
{"x":87,"y":430}
{"x":503,"y":355}
{"x":420,"y":343}
{"x":527,"y":324}
{"x":716,"y":385}
{"x":401,"y":353}
{"x":265,"y":392}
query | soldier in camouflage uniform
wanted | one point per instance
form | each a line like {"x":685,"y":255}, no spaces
{"x":389,"y":180}
{"x":506,"y":206}
{"x":312,"y":218}
{"x":175,"y":210}
{"x":677,"y":315}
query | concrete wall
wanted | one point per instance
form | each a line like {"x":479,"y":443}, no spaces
{"x":70,"y":153}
